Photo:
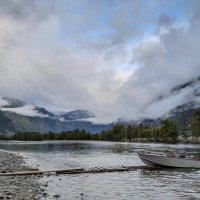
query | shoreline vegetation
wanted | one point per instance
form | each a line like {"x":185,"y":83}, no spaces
{"x":168,"y":131}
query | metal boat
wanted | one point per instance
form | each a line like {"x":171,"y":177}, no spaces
{"x":165,"y":160}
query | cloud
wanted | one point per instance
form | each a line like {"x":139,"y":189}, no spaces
{"x":166,"y":60}
{"x":27,"y":110}
{"x":3,"y":102}
{"x":23,"y":10}
{"x":109,"y":57}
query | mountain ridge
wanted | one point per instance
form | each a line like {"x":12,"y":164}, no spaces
{"x":17,"y":115}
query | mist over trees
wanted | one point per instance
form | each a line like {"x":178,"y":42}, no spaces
{"x":168,"y":132}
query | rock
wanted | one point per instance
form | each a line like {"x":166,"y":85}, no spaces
{"x":44,"y":194}
{"x":56,"y":196}
{"x":16,"y":187}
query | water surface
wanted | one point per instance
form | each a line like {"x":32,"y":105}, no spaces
{"x":138,"y":185}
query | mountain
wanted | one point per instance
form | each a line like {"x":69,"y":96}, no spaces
{"x":43,"y":111}
{"x":185,"y":98}
{"x":17,"y":115}
{"x":188,"y":95}
{"x":6,"y":124}
{"x":6,"y":102}
{"x":76,"y":115}
{"x":182,"y":113}
{"x":189,"y":91}
{"x":80,"y":119}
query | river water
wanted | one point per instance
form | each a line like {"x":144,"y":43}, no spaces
{"x":173,"y":184}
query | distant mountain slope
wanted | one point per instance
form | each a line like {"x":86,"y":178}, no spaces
{"x":188,"y":95}
{"x":89,"y":126}
{"x":191,"y":101}
{"x":11,"y":103}
{"x":192,"y":83}
{"x":45,"y":112}
{"x":76,"y":115}
{"x":190,"y":91}
{"x":6,"y":124}
{"x":182,"y":113}
{"x":17,"y":115}
{"x":36,"y":124}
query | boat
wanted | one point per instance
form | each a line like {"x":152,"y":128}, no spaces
{"x":166,"y":160}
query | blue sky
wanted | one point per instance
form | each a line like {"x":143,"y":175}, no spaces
{"x":100,"y":18}
{"x":110,"y":57}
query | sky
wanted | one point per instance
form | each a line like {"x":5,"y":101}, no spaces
{"x":111,"y":57}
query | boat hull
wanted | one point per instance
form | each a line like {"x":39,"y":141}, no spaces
{"x":167,"y":161}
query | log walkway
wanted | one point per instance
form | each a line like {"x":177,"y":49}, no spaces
{"x":79,"y":170}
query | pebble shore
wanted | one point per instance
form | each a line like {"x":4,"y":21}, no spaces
{"x":17,"y":187}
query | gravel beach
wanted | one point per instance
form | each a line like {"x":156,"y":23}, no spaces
{"x":17,"y":187}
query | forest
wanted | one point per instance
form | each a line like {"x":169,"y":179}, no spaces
{"x":167,"y":132}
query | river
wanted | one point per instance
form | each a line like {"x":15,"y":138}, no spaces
{"x":173,"y":184}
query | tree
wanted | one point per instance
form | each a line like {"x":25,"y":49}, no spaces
{"x":128,"y":133}
{"x":194,"y":124}
{"x":156,"y":134}
{"x":169,"y":131}
{"x":118,"y":132}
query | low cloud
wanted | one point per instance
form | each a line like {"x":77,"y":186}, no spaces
{"x":111,"y":58}
{"x":27,"y":110}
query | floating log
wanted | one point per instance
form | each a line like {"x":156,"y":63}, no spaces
{"x":59,"y":171}
{"x":79,"y":170}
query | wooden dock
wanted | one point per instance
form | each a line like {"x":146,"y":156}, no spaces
{"x":80,"y":170}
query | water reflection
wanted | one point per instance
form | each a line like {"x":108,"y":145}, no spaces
{"x":162,"y":184}
{"x":184,"y":182}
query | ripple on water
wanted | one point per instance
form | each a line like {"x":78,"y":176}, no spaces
{"x":137,"y":185}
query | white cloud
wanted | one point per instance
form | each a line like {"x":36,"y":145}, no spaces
{"x":95,"y":120}
{"x":3,"y":102}
{"x":95,"y":55}
{"x":27,"y":110}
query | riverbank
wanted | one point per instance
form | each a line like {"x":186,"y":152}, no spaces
{"x":16,"y":187}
